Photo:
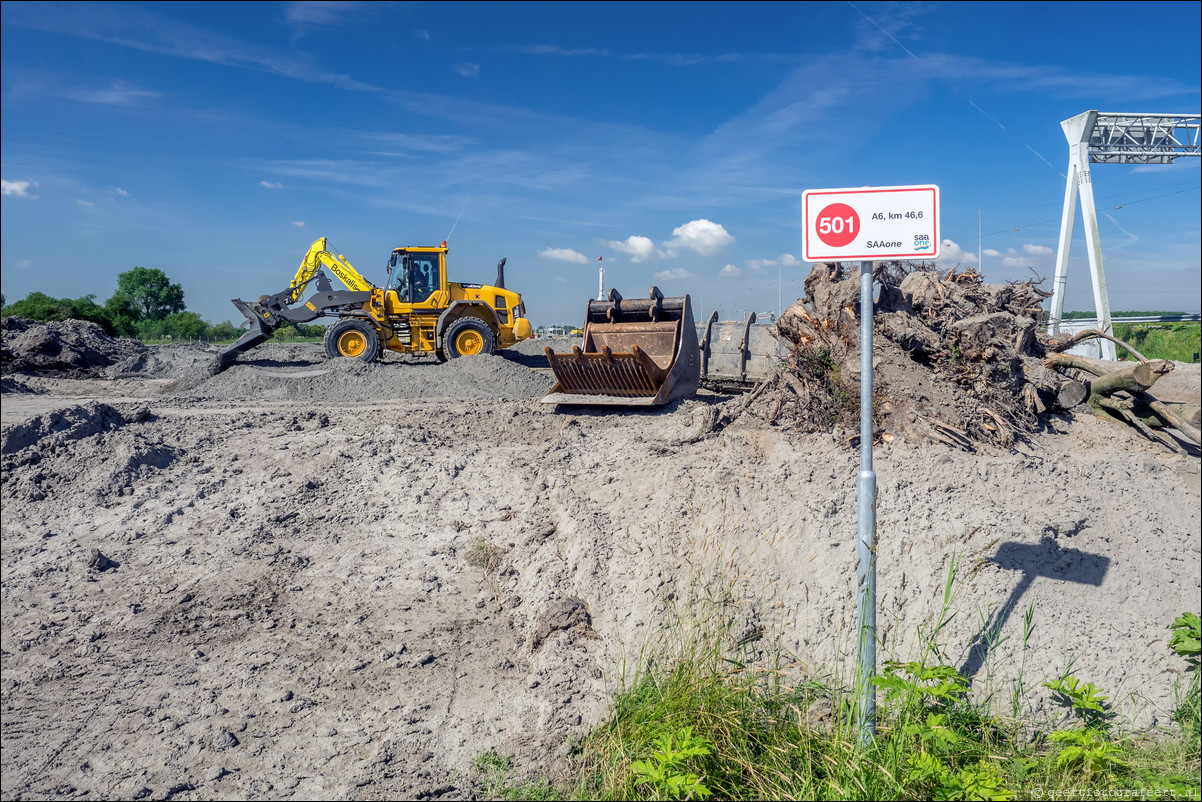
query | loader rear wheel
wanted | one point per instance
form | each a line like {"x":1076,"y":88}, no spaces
{"x":352,"y":338}
{"x":468,"y":336}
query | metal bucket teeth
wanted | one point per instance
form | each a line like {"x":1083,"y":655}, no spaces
{"x":636,"y":353}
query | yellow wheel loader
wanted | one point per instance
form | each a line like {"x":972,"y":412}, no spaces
{"x":418,"y":312}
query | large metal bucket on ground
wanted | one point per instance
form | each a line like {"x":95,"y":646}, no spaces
{"x":737,"y":355}
{"x":640,"y":352}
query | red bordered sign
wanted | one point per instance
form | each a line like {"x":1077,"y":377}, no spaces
{"x":870,"y":223}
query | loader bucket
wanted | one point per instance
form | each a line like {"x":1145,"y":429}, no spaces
{"x":735,"y":356}
{"x":636,"y":353}
{"x":259,"y":331}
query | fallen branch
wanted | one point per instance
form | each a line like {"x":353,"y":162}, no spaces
{"x":1170,"y":417}
{"x":1091,"y":334}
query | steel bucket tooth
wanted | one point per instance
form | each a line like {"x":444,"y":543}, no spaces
{"x":260,"y":330}
{"x":636,"y":353}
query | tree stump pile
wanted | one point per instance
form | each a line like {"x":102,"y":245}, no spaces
{"x":956,"y":359}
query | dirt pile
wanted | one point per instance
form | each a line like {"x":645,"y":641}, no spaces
{"x":72,"y":348}
{"x":304,"y":373}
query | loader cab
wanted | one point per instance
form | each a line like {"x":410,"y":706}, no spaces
{"x":416,"y":273}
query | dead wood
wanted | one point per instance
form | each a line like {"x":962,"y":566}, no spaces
{"x":1061,"y":343}
{"x":1187,"y":427}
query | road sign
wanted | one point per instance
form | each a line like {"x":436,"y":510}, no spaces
{"x":870,"y":223}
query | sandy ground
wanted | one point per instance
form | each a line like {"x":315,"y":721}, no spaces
{"x":300,"y":579}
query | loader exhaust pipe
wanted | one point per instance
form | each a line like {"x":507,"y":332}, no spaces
{"x":500,"y":282}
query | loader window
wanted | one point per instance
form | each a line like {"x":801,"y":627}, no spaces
{"x":425,"y":277}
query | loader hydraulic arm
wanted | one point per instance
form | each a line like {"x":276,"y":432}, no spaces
{"x":320,"y":255}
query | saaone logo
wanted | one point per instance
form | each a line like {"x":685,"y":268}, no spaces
{"x":922,"y":242}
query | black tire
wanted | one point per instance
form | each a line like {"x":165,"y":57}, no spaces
{"x":467,"y":336}
{"x":354,"y":339}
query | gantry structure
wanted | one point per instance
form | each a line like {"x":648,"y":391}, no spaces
{"x":1109,"y":138}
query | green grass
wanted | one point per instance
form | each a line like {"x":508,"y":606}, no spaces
{"x":701,"y":721}
{"x":1181,"y":342}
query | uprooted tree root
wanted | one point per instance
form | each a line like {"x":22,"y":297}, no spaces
{"x":956,"y":360}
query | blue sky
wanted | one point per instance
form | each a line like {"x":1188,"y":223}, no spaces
{"x":216,"y":141}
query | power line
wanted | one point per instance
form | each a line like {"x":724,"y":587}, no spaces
{"x":1057,"y":219}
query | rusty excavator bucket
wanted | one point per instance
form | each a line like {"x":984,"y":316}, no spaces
{"x":639,"y":353}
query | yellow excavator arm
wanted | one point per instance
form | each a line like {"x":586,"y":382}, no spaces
{"x":322,"y":255}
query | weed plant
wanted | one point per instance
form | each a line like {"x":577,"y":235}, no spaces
{"x":716,"y":714}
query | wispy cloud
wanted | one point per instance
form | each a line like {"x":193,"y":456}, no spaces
{"x":564,"y":255}
{"x":139,"y":29}
{"x":669,"y":58}
{"x":271,"y":185}
{"x":116,"y":94}
{"x":730,"y":271}
{"x":673,"y":274}
{"x":320,"y":13}
{"x":466,"y":70}
{"x":298,"y":223}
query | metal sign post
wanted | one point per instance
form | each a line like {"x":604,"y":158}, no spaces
{"x":867,"y":224}
{"x":866,"y":542}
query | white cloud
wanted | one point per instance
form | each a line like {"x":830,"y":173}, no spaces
{"x":17,"y":189}
{"x":1037,"y":250}
{"x":673,"y":273}
{"x":639,"y":249}
{"x":118,"y":191}
{"x":564,"y":255}
{"x":298,"y":223}
{"x":317,"y":12}
{"x":270,"y":185}
{"x":785,"y":260}
{"x":84,"y":203}
{"x":702,"y":236}
{"x":950,"y":253}
{"x":24,"y":264}
{"x":730,"y":271}
{"x":117,"y":94}
{"x":466,"y":70}
{"x":991,"y":252}
{"x":1015,"y":261}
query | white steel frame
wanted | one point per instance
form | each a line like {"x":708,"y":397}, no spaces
{"x":1110,"y":138}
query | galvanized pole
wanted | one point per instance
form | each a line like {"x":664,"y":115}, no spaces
{"x":866,"y":544}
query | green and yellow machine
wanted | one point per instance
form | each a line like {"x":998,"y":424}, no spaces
{"x":418,"y":312}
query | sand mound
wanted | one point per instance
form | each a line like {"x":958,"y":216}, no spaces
{"x":71,"y":348}
{"x":55,"y":429}
{"x":296,"y":372}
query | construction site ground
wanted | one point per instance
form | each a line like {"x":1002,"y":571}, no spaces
{"x":327,"y":580}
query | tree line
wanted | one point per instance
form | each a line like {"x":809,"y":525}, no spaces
{"x":146,"y":305}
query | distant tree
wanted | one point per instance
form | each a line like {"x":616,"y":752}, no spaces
{"x":185,"y":326}
{"x":145,"y":293}
{"x":223,"y":332}
{"x":40,"y":306}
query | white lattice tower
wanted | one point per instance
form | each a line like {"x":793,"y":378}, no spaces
{"x":1110,"y":138}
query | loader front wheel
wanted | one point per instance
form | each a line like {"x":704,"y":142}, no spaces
{"x":468,"y":336}
{"x":352,"y":338}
